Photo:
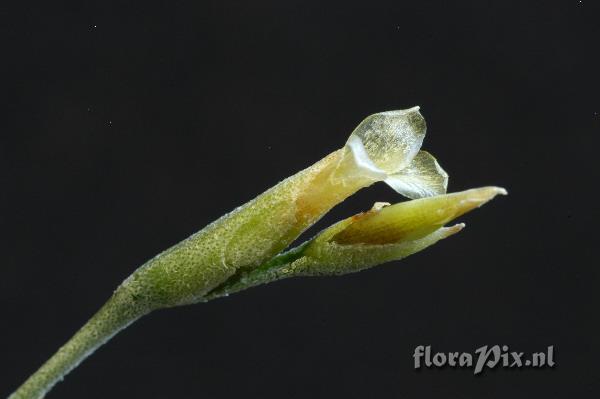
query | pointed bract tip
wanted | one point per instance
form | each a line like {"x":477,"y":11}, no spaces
{"x":451,"y":230}
{"x":482,"y":195}
{"x":379,"y":206}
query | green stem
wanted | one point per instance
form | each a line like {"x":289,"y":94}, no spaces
{"x":119,"y":311}
{"x":268,"y":272}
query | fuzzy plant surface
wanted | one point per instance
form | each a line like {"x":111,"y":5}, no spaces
{"x":247,"y":247}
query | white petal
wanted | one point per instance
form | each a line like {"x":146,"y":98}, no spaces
{"x":423,"y":177}
{"x":388,"y":141}
{"x":362,"y":159}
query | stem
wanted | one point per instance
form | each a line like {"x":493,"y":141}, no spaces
{"x":117,"y":313}
{"x":266,"y":273}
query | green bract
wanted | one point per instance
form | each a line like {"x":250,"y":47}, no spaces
{"x":383,"y":234}
{"x":244,"y":248}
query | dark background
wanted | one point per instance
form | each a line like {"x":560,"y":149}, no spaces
{"x":127,"y":127}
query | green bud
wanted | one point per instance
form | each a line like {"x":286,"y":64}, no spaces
{"x":390,"y":233}
{"x":383,"y":234}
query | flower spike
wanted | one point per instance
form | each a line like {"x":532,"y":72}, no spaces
{"x":243,"y":248}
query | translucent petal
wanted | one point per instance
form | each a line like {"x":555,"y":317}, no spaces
{"x":388,"y":141}
{"x":362,"y":160}
{"x":423,"y":177}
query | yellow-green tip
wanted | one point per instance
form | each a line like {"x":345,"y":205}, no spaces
{"x":387,"y":233}
{"x":412,"y":219}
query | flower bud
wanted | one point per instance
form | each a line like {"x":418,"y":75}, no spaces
{"x":389,"y":233}
{"x":383,"y":234}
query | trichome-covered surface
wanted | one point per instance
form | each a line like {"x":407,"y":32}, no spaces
{"x":244,"y":247}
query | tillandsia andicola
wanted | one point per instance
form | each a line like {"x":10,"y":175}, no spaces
{"x":244,"y":247}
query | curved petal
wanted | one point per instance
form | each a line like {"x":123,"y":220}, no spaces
{"x":423,"y":177}
{"x":387,"y":142}
{"x":362,"y":160}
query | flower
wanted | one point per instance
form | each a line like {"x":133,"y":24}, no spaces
{"x":387,"y":145}
{"x":384,"y":147}
{"x":242,"y":249}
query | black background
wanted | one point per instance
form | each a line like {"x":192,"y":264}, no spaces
{"x":127,"y":127}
